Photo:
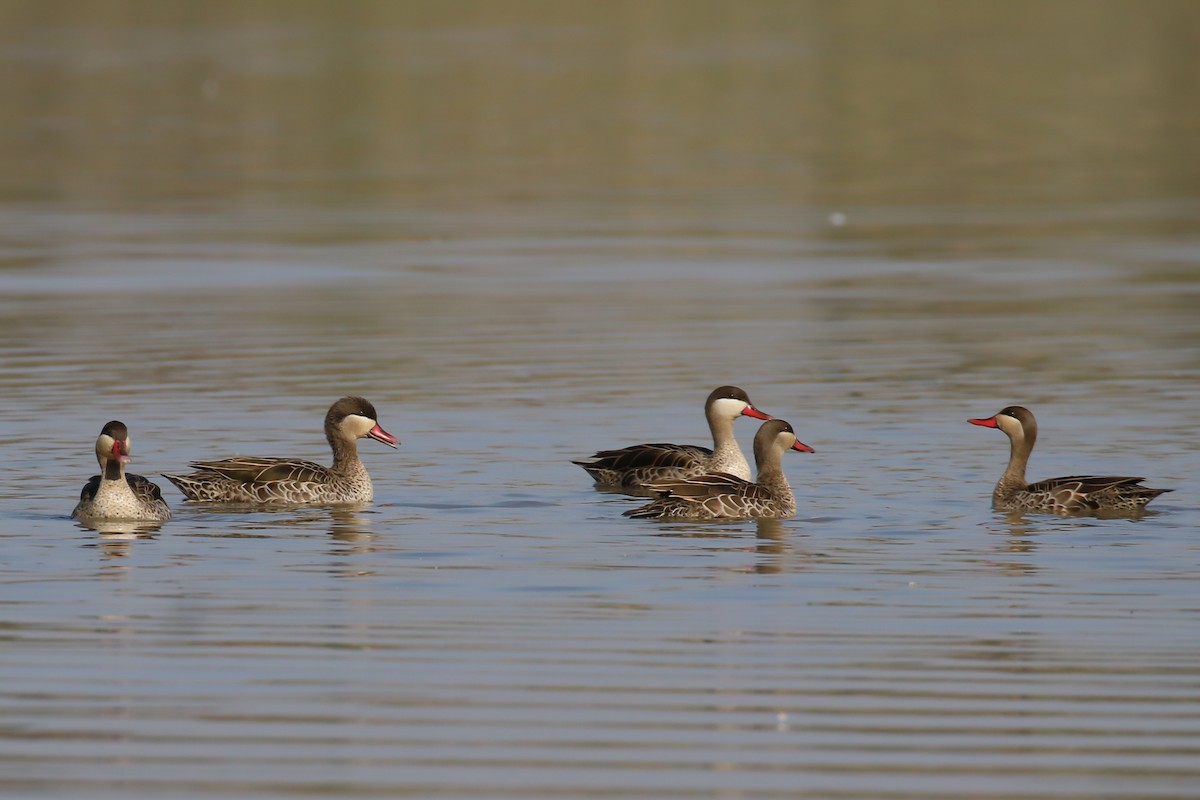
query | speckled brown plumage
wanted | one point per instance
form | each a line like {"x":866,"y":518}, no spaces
{"x":115,"y":495}
{"x":251,"y":480}
{"x":724,"y":496}
{"x":630,"y":469}
{"x":1073,"y":494}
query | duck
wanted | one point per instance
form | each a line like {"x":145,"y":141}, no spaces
{"x":631,"y":469}
{"x":266,"y":481}
{"x":1073,"y":494}
{"x":720,"y":495}
{"x":115,"y":495}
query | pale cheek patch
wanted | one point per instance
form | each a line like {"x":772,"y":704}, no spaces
{"x":358,"y":425}
{"x":728,"y":407}
{"x":1010,"y":426}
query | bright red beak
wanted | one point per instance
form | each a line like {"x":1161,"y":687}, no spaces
{"x":380,"y":435}
{"x":802,"y":447}
{"x":121,"y":453}
{"x":990,"y":422}
{"x":751,"y":411}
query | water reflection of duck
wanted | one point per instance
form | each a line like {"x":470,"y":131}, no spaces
{"x":1071,"y":494}
{"x":285,"y":480}
{"x":723,"y":496}
{"x":631,"y":468}
{"x":113,"y":494}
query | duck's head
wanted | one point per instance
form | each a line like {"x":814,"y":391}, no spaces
{"x":113,"y":444}
{"x":355,"y":418}
{"x":777,"y":433}
{"x":1017,"y":422}
{"x":731,"y":402}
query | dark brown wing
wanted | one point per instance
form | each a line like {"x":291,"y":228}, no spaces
{"x":640,"y":456}
{"x":1078,"y":492}
{"x":713,"y":484}
{"x":716,"y":495}
{"x":1084,"y":484}
{"x":90,"y":488}
{"x":264,"y":470}
{"x":146,"y":489}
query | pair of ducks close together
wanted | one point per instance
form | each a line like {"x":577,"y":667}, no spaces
{"x":687,"y":481}
{"x":116,"y":495}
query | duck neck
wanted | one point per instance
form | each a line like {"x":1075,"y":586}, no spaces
{"x":1013,"y":479}
{"x":769,"y":460}
{"x":114,"y":470}
{"x":725,"y":446}
{"x":345,"y":454}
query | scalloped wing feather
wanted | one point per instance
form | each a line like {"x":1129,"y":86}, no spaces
{"x":1084,"y":484}
{"x":703,"y":487}
{"x":1082,"y":493}
{"x":146,"y":489}
{"x":148,"y":494}
{"x":263,"y":470}
{"x":258,"y":481}
{"x":632,"y":468}
{"x":713,"y":496}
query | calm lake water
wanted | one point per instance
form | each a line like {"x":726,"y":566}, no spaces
{"x":528,"y":231}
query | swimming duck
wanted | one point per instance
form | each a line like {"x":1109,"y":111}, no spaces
{"x":113,"y":494}
{"x":720,"y":495}
{"x":631,"y":468}
{"x":292,"y":481}
{"x":1069,"y":495}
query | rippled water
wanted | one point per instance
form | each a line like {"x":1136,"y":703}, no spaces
{"x":531,"y":235}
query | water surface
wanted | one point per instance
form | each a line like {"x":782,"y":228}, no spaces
{"x":530,"y":233}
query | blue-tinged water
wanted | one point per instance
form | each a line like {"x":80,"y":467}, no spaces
{"x":529,"y":236}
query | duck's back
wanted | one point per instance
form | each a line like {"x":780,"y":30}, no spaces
{"x":1082,"y":493}
{"x":632,"y":468}
{"x":272,"y":480}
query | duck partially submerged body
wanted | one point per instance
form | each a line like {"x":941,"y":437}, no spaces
{"x":721,"y":495}
{"x":1073,"y":494}
{"x":115,"y":495}
{"x":631,"y":469}
{"x":250,"y":480}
